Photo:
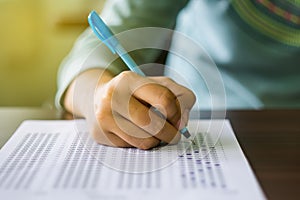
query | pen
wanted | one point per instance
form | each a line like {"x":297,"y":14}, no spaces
{"x":102,"y":31}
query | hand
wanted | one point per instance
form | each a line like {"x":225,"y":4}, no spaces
{"x":120,"y":113}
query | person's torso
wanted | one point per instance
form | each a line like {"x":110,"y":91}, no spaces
{"x":254,"y":42}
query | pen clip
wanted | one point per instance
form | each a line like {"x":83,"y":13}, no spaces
{"x":102,"y":31}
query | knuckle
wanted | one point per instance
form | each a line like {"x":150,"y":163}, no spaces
{"x":192,"y":96}
{"x":101,"y":115}
{"x":104,"y":95}
{"x":102,"y":111}
{"x":109,"y":90}
{"x":124,"y":75}
{"x":164,"y":79}
{"x":168,"y":80}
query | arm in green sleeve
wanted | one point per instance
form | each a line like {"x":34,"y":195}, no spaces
{"x":120,"y":15}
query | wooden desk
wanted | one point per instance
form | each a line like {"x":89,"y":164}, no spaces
{"x":270,"y":139}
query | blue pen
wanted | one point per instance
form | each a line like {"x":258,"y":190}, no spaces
{"x":107,"y":37}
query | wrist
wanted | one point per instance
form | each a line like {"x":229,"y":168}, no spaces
{"x":79,"y":98}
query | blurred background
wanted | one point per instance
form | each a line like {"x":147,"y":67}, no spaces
{"x":35,"y":36}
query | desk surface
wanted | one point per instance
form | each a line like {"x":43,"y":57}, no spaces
{"x":270,"y":139}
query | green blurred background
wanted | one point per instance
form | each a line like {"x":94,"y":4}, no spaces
{"x":35,"y":35}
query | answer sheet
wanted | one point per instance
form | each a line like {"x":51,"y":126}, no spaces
{"x":59,"y":160}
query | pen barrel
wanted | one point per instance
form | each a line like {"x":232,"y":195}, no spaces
{"x":127,"y":59}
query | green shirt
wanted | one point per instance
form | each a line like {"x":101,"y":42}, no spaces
{"x":254,"y":44}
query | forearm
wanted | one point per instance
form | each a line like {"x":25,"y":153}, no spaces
{"x":79,"y":96}
{"x":88,"y":53}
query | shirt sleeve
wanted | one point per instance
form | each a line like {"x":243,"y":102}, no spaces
{"x":120,"y":15}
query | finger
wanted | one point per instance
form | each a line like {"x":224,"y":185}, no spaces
{"x":148,"y":120}
{"x":162,"y":99}
{"x":184,"y":95}
{"x":107,"y":138}
{"x":99,"y":125}
{"x":127,"y":84}
{"x":133,"y":134}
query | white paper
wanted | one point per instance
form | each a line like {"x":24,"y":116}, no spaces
{"x":58,"y":159}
